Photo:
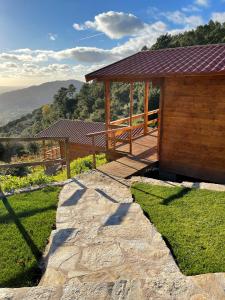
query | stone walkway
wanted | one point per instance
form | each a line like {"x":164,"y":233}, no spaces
{"x":105,"y":248}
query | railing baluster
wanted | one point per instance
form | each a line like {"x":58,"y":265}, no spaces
{"x":130,"y":138}
{"x":93,"y":151}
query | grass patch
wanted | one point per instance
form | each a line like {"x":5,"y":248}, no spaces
{"x":192,"y":222}
{"x":26,"y":221}
{"x":38,"y":176}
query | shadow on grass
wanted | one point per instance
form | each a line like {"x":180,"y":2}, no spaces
{"x":34,"y":249}
{"x":145,"y":192}
{"x":168,"y":200}
{"x":30,"y":275}
{"x":176,"y":196}
{"x":28,"y":213}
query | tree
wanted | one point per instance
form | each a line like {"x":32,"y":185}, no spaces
{"x":33,"y":148}
{"x":211,"y":33}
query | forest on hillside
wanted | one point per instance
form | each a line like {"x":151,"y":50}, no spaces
{"x":211,"y":33}
{"x":88,"y":103}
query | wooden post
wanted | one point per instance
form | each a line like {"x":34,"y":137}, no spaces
{"x":161,"y":102}
{"x":43,"y":149}
{"x":131,"y":112}
{"x":93,"y":151}
{"x":1,"y":192}
{"x":107,"y":111}
{"x":146,"y":107}
{"x":67,"y":157}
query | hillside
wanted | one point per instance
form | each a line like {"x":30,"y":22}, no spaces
{"x":87,"y":104}
{"x":211,"y":33}
{"x":5,"y":89}
{"x":17,"y":103}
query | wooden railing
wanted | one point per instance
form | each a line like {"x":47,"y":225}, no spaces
{"x":135,"y":117}
{"x":48,"y":159}
{"x":117,"y":132}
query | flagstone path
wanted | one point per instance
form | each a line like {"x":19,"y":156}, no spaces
{"x":105,"y":248}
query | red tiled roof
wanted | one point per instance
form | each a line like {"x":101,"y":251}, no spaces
{"x":194,"y":60}
{"x":76,"y":131}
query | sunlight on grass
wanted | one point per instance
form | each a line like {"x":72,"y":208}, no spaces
{"x":192,"y":222}
{"x":26,"y":221}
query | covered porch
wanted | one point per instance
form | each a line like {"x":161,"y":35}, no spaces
{"x":132,"y":143}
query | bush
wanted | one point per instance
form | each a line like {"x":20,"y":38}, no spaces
{"x":10,"y":183}
{"x":81,"y":165}
{"x":18,"y":171}
{"x":33,"y":148}
{"x":37,"y":177}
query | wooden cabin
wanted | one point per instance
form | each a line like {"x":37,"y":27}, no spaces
{"x":79,"y":145}
{"x":190,"y":138}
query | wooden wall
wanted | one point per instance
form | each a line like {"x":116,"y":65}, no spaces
{"x":193,"y":127}
{"x":78,"y":150}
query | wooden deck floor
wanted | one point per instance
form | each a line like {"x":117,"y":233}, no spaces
{"x":144,"y":154}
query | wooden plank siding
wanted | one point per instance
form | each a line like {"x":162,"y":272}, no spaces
{"x":193,"y":127}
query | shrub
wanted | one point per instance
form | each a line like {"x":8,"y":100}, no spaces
{"x":18,"y":171}
{"x":37,"y":177}
{"x":33,"y":148}
{"x":81,"y":165}
{"x":10,"y":183}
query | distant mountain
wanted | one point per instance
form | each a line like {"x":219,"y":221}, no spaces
{"x":4,"y":89}
{"x":17,"y":103}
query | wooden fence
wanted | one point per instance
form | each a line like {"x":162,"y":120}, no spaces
{"x":49,"y":159}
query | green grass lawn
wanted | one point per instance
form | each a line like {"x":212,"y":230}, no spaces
{"x":191,"y":221}
{"x":26,"y":221}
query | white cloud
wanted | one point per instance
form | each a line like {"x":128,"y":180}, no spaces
{"x":52,"y":36}
{"x":114,"y":24}
{"x":24,"y":51}
{"x":84,"y":54}
{"x":8,"y":65}
{"x":190,"y":8}
{"x":179,"y":17}
{"x":15,"y":57}
{"x":21,"y":57}
{"x":204,"y":3}
{"x":41,"y":65}
{"x":218,"y":16}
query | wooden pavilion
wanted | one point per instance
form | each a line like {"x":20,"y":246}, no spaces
{"x":190,"y":137}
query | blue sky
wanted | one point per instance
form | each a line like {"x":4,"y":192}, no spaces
{"x":61,"y":39}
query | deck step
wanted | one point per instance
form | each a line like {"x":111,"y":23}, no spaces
{"x":125,"y":167}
